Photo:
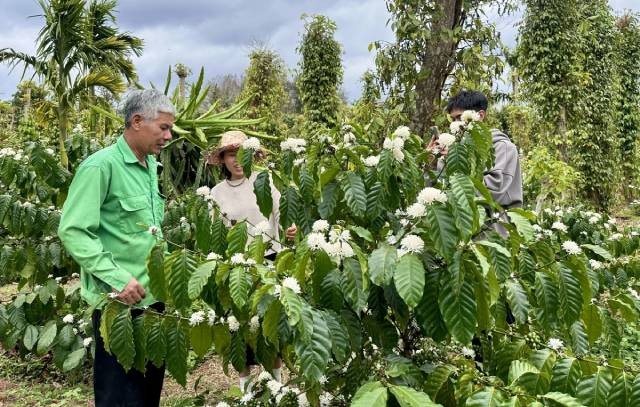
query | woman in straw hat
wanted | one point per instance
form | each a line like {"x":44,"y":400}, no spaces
{"x":237,"y":201}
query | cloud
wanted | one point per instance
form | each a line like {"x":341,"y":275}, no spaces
{"x":219,"y":34}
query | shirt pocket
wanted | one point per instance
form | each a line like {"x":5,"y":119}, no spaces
{"x":135,"y":214}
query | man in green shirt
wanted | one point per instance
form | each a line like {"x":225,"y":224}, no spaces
{"x":110,"y":222}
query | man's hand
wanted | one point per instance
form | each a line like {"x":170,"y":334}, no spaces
{"x":291,"y":232}
{"x":132,"y":292}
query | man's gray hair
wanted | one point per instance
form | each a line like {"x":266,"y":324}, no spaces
{"x":147,"y":103}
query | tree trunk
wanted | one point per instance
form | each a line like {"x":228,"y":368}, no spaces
{"x":27,"y":102}
{"x":437,"y":61}
{"x":63,"y":124}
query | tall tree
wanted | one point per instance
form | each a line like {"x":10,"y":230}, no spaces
{"x":321,"y":71}
{"x":434,"y":38}
{"x":628,"y":55}
{"x":264,"y":85}
{"x":78,"y":50}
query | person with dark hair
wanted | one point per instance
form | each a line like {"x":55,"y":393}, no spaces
{"x":504,"y":180}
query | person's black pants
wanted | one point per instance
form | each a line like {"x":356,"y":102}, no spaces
{"x":113,"y":386}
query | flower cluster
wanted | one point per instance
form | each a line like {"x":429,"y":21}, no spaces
{"x":402,"y":132}
{"x":372,"y":161}
{"x":238,"y":259}
{"x":395,"y":146}
{"x":297,"y":145}
{"x":411,"y":244}
{"x":429,"y":195}
{"x":336,"y":246}
{"x":251,"y":143}
{"x":571,"y":247}
{"x":446,"y":140}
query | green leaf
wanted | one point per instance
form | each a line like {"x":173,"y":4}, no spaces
{"x":438,"y":380}
{"x":408,"y":397}
{"x":314,"y":354}
{"x":352,"y":284}
{"x":442,"y":230}
{"x":523,"y":226}
{"x":199,"y":279}
{"x":566,"y":374}
{"x":570,"y":296}
{"x":292,"y":305}
{"x":518,"y":300}
{"x":239,"y":286}
{"x":339,"y":337}
{"x":218,"y":236}
{"x":47,"y":336}
{"x":592,"y":322}
{"x":592,"y":391}
{"x":140,"y":342}
{"x":121,"y":338}
{"x":579,"y":340}
{"x":489,"y":397}
{"x":620,"y":393}
{"x":520,"y":367}
{"x":382,"y":263}
{"x":156,"y":267}
{"x":30,"y":337}
{"x":371,"y":394}
{"x":599,"y":251}
{"x":201,"y":338}
{"x":634,"y":397}
{"x":409,"y":279}
{"x":262,"y":190}
{"x":156,"y":341}
{"x":375,"y":202}
{"x":329,"y":200}
{"x":178,"y":278}
{"x":457,"y":160}
{"x":463,"y":204}
{"x":290,"y":205}
{"x":355,"y":194}
{"x":546,"y":292}
{"x":458,"y":310}
{"x":237,"y":238}
{"x":178,"y":345}
{"x":74,"y":359}
{"x":428,"y":311}
{"x":562,"y":399}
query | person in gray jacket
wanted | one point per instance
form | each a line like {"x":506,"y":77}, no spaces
{"x":504,"y":180}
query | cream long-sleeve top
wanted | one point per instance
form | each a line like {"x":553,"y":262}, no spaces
{"x":239,"y":203}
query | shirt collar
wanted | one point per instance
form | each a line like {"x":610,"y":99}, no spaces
{"x":127,"y":154}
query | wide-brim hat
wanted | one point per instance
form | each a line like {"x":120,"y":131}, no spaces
{"x":229,"y":141}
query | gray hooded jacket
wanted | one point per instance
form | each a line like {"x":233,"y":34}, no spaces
{"x":504,"y":180}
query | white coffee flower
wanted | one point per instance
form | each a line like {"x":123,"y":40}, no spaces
{"x":555,"y":344}
{"x":238,"y":259}
{"x":397,"y":143}
{"x":49,"y":151}
{"x":296,"y":145}
{"x":402,"y":132}
{"x":153,"y":230}
{"x":446,"y":139}
{"x":398,"y":154}
{"x":470,"y":116}
{"x":203,"y":191}
{"x":254,"y":324}
{"x":292,"y":284}
{"x":87,"y":341}
{"x":325,"y":399}
{"x":75,"y":331}
{"x":615,"y":236}
{"x":372,"y":161}
{"x":316,"y":241}
{"x":612,"y":221}
{"x":68,"y":319}
{"x":320,"y":225}
{"x":417,"y":210}
{"x":430,"y":195}
{"x":559,"y":226}
{"x":211,"y":317}
{"x":274,"y":386}
{"x":412,"y":244}
{"x":264,"y":375}
{"x":277,"y":290}
{"x":468,"y":352}
{"x":387,"y":144}
{"x":223,"y":404}
{"x":58,"y":279}
{"x":349,"y":138}
{"x":302,"y":400}
{"x":595,"y":264}
{"x":196,"y":318}
{"x":247,"y":397}
{"x":634,"y":293}
{"x":457,"y":126}
{"x":233,"y":323}
{"x":593,"y":220}
{"x":213,"y":256}
{"x":571,"y":247}
{"x":251,"y":143}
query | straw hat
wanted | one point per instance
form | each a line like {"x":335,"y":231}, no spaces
{"x":229,"y":141}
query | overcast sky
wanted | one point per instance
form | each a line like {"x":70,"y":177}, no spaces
{"x":219,"y":34}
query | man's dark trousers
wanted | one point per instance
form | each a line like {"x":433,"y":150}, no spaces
{"x":113,"y":386}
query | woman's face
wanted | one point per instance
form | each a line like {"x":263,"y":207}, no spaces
{"x":232,"y":165}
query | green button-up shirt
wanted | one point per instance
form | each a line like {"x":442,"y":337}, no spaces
{"x":112,"y":203}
